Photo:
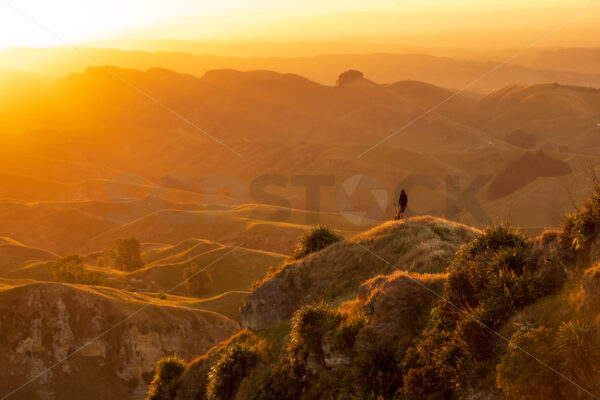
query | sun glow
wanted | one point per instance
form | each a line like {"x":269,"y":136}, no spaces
{"x":38,"y":23}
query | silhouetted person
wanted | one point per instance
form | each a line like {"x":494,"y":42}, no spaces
{"x":401,"y":206}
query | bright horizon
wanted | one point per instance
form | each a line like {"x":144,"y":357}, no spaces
{"x":500,"y":23}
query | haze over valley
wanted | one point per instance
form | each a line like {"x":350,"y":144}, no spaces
{"x":196,"y":210}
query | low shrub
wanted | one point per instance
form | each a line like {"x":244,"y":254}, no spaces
{"x":583,"y":228}
{"x":167,"y":378}
{"x":227,"y":372}
{"x":315,"y":240}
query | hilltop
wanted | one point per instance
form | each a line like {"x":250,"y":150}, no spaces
{"x":418,"y":309}
{"x":423,"y":245}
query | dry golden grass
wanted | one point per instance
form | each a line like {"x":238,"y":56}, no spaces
{"x":334,"y":274}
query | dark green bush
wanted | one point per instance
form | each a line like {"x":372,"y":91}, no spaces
{"x":167,"y":377}
{"x":70,"y":269}
{"x":228,"y":371}
{"x":315,"y":240}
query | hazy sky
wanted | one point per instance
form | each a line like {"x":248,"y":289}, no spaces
{"x":86,"y":20}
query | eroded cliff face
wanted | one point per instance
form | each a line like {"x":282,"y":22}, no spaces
{"x":93,"y":343}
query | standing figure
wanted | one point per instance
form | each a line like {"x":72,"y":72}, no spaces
{"x":401,"y":206}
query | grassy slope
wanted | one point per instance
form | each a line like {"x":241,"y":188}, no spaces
{"x":396,"y":308}
{"x":163,"y":271}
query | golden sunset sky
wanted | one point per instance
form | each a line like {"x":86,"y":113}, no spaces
{"x":497,"y":22}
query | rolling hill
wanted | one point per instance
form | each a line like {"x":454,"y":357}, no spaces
{"x":283,"y":125}
{"x":364,"y":317}
{"x":382,"y":67}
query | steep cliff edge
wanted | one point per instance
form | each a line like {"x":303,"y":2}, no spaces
{"x":77,"y":341}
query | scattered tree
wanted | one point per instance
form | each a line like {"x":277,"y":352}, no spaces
{"x":197,"y":281}
{"x":125,"y":254}
{"x":70,"y":269}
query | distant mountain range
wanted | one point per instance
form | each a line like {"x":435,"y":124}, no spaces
{"x":581,"y":69}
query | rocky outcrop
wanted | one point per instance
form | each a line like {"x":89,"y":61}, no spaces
{"x":397,"y":305}
{"x":65,"y":341}
{"x":423,"y":244}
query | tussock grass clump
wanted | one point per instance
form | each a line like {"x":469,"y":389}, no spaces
{"x":573,"y":349}
{"x":582,"y":229}
{"x":578,"y":349}
{"x":197,"y":377}
{"x":490,"y":279}
{"x":315,"y":240}
{"x":167,"y":377}
{"x":309,"y":325}
{"x":233,"y":365}
{"x":376,"y":368}
{"x":302,"y":371}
